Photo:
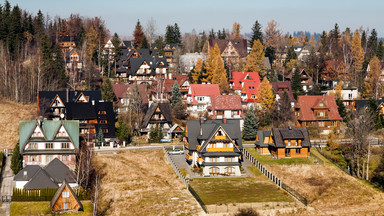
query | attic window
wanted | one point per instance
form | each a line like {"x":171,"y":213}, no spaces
{"x":65,"y":194}
{"x":321,"y":104}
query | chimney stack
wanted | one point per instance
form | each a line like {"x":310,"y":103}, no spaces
{"x":93,"y":102}
{"x":201,"y":125}
{"x":201,"y":120}
{"x":67,"y":95}
{"x":224,"y":120}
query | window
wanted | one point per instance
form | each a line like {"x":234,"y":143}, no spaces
{"x":103,"y":121}
{"x":32,"y":146}
{"x":65,"y":194}
{"x":253,"y":96}
{"x":321,"y":124}
{"x":48,"y":158}
{"x":65,"y":145}
{"x":103,"y":112}
{"x":32,"y":158}
{"x":65,"y":206}
{"x":321,"y":114}
{"x":230,"y":159}
{"x":65,"y":157}
{"x":350,"y":96}
{"x":298,"y":151}
{"x":105,"y":130}
{"x":49,"y":145}
{"x":214,"y":159}
{"x":333,"y":123}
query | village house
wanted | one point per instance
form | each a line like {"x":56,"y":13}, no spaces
{"x":306,"y":80}
{"x":66,"y":42}
{"x":225,"y":106}
{"x":41,"y":141}
{"x":161,"y":90}
{"x":199,"y":97}
{"x":230,"y":49}
{"x":348,"y":95}
{"x":35,"y":177}
{"x":318,"y":111}
{"x":65,"y":199}
{"x":158,"y":113}
{"x":123,"y":93}
{"x":245,"y":84}
{"x":289,"y":143}
{"x":215,"y":146}
{"x":363,"y":104}
{"x":262,"y":142}
{"x":280,"y":87}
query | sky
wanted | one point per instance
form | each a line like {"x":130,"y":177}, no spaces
{"x":294,"y":15}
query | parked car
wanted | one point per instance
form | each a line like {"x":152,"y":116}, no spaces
{"x":176,"y":151}
{"x":165,"y":140}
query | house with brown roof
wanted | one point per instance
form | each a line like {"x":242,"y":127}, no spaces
{"x":230,"y":49}
{"x":280,"y":87}
{"x":317,"y":111}
{"x":123,"y":93}
{"x":289,"y":143}
{"x":225,"y":106}
{"x":65,"y":199}
{"x":199,"y":97}
{"x":162,"y":89}
{"x":306,"y":80}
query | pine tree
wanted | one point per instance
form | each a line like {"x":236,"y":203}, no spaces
{"x":155,"y":134}
{"x":341,"y":107}
{"x":116,"y":44}
{"x":211,"y":35}
{"x":251,"y":123}
{"x":138,"y":34}
{"x":176,"y":94}
{"x":16,"y":160}
{"x":177,"y":34}
{"x":296,"y":86}
{"x":100,"y":138}
{"x":160,"y":46}
{"x":380,"y":50}
{"x":144,"y":43}
{"x":254,"y":61}
{"x":372,"y":44}
{"x":123,"y":131}
{"x":290,"y":55}
{"x":257,"y":33}
{"x":107,"y":91}
{"x":265,"y":96}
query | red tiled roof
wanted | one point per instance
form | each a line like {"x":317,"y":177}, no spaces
{"x":204,"y":89}
{"x":307,"y":103}
{"x":121,"y":91}
{"x":278,"y":89}
{"x":226,"y":102}
{"x":250,"y":88}
{"x":239,"y":77}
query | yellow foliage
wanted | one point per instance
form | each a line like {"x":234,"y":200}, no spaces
{"x":254,"y":61}
{"x":91,"y":42}
{"x":265,"y":95}
{"x":292,"y":64}
{"x":235,"y":34}
{"x":197,"y":70}
{"x":372,"y":82}
{"x":215,"y":70}
{"x":357,"y":55}
{"x":338,"y":90}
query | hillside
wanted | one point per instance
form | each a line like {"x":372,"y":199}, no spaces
{"x":141,"y":182}
{"x":10,"y":115}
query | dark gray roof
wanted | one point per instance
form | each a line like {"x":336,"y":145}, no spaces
{"x":41,"y":180}
{"x":262,"y":135}
{"x":209,"y":127}
{"x":60,"y":172}
{"x":165,"y":109}
{"x":364,"y":103}
{"x":60,"y":191}
{"x":280,"y":134}
{"x":29,"y":170}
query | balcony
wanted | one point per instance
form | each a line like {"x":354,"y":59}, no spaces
{"x":220,"y":149}
{"x":188,"y":156}
{"x":220,"y":137}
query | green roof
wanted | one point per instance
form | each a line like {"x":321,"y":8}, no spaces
{"x":49,"y":129}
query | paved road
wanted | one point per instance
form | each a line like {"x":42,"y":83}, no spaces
{"x":6,"y":186}
{"x":137,"y":147}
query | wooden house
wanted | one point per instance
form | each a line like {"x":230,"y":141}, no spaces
{"x":318,"y":111}
{"x":230,"y":49}
{"x":225,"y":106}
{"x":158,"y":113}
{"x":262,"y":142}
{"x":289,"y":143}
{"x":215,"y":146}
{"x":306,"y":79}
{"x":65,"y":199}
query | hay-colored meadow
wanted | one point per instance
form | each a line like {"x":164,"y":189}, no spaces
{"x":10,"y":115}
{"x":141,"y":182}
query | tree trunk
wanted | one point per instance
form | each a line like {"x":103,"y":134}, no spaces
{"x":369,"y":153}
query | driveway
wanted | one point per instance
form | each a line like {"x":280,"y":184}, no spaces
{"x":6,"y":186}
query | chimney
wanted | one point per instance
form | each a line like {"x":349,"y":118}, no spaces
{"x":201,"y":120}
{"x":201,"y":125}
{"x":224,"y":120}
{"x":289,"y":128}
{"x":67,"y":95}
{"x":93,"y":102}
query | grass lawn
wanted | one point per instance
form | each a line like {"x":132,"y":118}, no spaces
{"x":238,"y":190}
{"x":42,"y":208}
{"x":267,"y":160}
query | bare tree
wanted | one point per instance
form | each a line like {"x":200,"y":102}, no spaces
{"x":150,"y":30}
{"x":84,"y":167}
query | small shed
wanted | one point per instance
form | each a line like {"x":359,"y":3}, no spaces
{"x":65,"y":199}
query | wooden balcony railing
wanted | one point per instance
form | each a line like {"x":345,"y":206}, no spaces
{"x":220,"y":149}
{"x":220,"y":137}
{"x":188,"y":156}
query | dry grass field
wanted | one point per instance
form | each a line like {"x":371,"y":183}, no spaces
{"x":329,"y":190}
{"x":141,"y":182}
{"x":10,"y":115}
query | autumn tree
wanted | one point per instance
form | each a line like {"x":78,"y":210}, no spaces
{"x":290,"y":55}
{"x":138,"y":34}
{"x":254,"y":61}
{"x":257,"y":33}
{"x":357,"y":56}
{"x":215,"y":71}
{"x":272,"y":35}
{"x":235,"y":33}
{"x":265,"y":96}
{"x":196,"y":71}
{"x":373,"y":85}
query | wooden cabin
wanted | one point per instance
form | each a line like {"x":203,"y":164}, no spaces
{"x":289,"y":143}
{"x":65,"y":199}
{"x":262,"y":140}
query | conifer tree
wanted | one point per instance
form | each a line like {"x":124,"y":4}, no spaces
{"x":123,"y":131}
{"x":176,"y":94}
{"x":290,"y":55}
{"x":251,"y":123}
{"x":100,"y":138}
{"x":177,"y":34}
{"x":380,"y":50}
{"x":215,"y":70}
{"x":160,"y":46}
{"x":265,"y":96}
{"x":116,"y":44}
{"x":257,"y":33}
{"x":372,"y":44}
{"x":16,"y":160}
{"x":211,"y":35}
{"x":107,"y":91}
{"x":155,"y":134}
{"x":296,"y":86}
{"x":254,"y":61}
{"x":144,"y":43}
{"x":138,"y":34}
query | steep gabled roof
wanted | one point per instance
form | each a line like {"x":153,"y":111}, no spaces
{"x":261,"y":135}
{"x":239,"y":77}
{"x":278,"y":89}
{"x":41,"y":180}
{"x":60,"y":191}
{"x":240,"y":45}
{"x":122,"y":91}
{"x":165,"y":109}
{"x":302,"y":73}
{"x":60,"y":172}
{"x":226,"y":102}
{"x":281,"y":134}
{"x":26,"y":173}
{"x":204,"y":89}
{"x":307,"y":103}
{"x":72,"y":95}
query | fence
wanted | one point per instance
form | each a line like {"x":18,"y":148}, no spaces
{"x":6,"y":198}
{"x":273,"y":178}
{"x":190,"y":189}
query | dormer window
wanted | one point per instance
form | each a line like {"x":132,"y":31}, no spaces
{"x":321,"y":104}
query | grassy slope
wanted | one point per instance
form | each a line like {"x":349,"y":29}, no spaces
{"x":10,"y":115}
{"x":329,"y":190}
{"x":42,"y":208}
{"x":140,"y":182}
{"x":237,"y":190}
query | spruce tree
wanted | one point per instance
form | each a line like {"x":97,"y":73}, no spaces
{"x":117,"y":49}
{"x":176,"y":94}
{"x":380,"y":51}
{"x":177,"y":34}
{"x":257,"y":33}
{"x":160,"y":46}
{"x":251,"y":123}
{"x":341,"y":107}
{"x":169,"y":34}
{"x":100,"y":138}
{"x":123,"y":131}
{"x":16,"y":160}
{"x":144,"y":43}
{"x":296,"y":86}
{"x":107,"y":91}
